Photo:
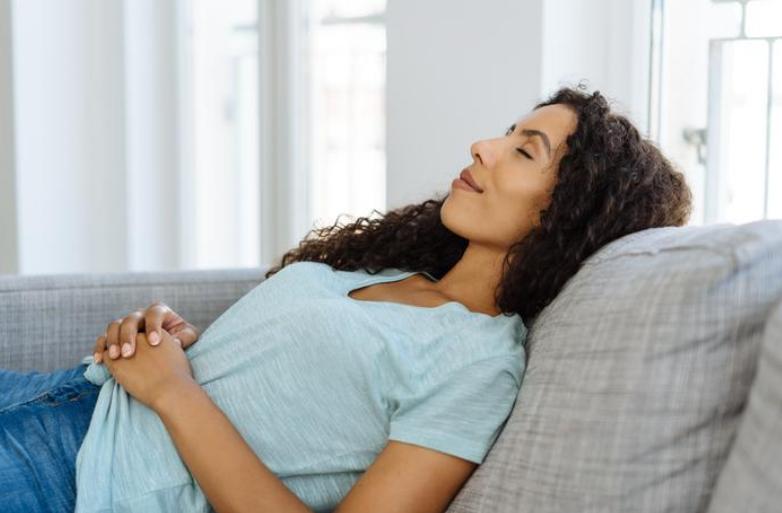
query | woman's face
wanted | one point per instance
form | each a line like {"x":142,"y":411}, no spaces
{"x":517,"y":173}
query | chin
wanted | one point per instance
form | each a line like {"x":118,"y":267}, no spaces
{"x":453,"y":221}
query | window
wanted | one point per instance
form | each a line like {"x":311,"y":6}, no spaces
{"x":347,"y":45}
{"x":220,"y":124}
{"x":716,"y":106}
{"x":313,"y":111}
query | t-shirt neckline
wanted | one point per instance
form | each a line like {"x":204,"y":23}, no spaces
{"x":399,"y":276}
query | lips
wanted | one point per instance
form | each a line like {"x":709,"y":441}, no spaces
{"x":467,"y":177}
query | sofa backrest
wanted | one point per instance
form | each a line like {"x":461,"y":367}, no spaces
{"x":751,"y":479}
{"x":50,"y":322}
{"x":637,"y":374}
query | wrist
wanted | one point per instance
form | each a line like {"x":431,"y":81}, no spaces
{"x":173,"y":392}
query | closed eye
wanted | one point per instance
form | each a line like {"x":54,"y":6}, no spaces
{"x":508,"y":132}
{"x":525,"y":153}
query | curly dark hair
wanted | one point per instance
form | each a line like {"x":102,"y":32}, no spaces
{"x":611,"y":182}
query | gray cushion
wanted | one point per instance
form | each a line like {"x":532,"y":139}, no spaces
{"x":637,"y":374}
{"x":751,"y":480}
{"x":51,"y":321}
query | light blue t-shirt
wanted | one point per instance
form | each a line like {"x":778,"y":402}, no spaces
{"x":317,"y":383}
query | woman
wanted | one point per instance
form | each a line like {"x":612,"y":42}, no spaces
{"x":387,"y":352}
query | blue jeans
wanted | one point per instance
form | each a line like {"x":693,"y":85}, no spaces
{"x":44,"y":417}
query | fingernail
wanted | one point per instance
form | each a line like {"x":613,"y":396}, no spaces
{"x":154,"y":338}
{"x":126,"y":350}
{"x":114,"y":351}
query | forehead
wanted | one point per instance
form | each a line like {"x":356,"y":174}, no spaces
{"x":557,"y":120}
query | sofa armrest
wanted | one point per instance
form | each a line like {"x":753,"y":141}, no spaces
{"x":51,"y":321}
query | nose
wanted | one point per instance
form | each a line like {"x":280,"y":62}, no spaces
{"x":481,"y":152}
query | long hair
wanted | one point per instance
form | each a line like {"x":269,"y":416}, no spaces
{"x":611,"y":182}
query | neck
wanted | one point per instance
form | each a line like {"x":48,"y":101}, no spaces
{"x":473,"y":280}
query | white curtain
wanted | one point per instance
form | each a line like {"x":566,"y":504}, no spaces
{"x":125,"y":148}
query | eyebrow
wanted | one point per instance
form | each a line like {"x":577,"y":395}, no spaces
{"x":532,"y":132}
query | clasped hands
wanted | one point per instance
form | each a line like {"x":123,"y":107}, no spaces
{"x":156,"y":365}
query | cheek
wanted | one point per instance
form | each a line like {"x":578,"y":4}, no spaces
{"x":518,"y":205}
{"x":519,"y":195}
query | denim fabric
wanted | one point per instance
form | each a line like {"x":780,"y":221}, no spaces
{"x":44,"y":417}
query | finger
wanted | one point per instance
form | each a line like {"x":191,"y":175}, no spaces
{"x":187,"y":334}
{"x":108,"y":362}
{"x":100,"y":346}
{"x":155,"y":317}
{"x":128,"y":331}
{"x":112,"y":338}
{"x":165,"y":336}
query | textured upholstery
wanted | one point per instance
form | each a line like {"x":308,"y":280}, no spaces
{"x":751,"y":480}
{"x":52,"y":321}
{"x":637,"y":375}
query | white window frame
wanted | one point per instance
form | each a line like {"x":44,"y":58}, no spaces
{"x":282,"y":156}
{"x":714,"y":178}
{"x":284,"y":159}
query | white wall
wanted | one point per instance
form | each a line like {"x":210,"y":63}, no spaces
{"x":457,"y":71}
{"x":605,"y":42}
{"x":481,"y":66}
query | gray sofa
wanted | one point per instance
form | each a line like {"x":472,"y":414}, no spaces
{"x":653,"y":380}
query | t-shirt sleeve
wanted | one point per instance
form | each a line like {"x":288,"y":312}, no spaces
{"x":461,"y":413}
